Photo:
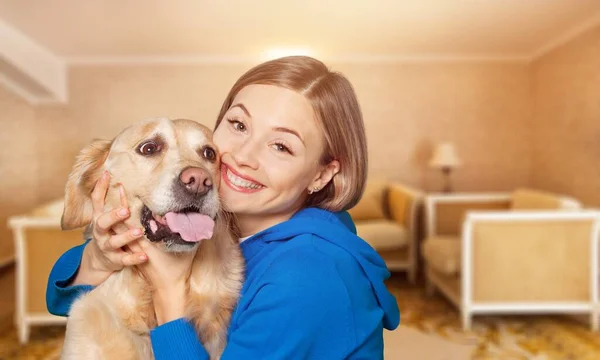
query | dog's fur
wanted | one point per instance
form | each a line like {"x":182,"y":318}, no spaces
{"x":113,"y":321}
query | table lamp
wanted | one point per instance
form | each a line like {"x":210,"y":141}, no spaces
{"x":445,"y":159}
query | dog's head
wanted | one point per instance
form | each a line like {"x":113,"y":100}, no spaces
{"x":169,"y":169}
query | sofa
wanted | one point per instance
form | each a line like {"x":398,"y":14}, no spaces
{"x":527,"y":251}
{"x":386,"y":218}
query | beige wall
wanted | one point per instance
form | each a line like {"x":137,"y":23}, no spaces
{"x":19,"y":172}
{"x":483,"y":107}
{"x":566,"y":122}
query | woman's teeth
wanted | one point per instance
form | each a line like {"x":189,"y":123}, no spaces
{"x":238,"y":181}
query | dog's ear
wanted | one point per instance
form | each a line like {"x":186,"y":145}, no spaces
{"x":78,"y":191}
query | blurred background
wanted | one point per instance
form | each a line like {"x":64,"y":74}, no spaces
{"x":468,"y":101}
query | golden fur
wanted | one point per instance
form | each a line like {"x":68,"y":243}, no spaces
{"x":113,"y":321}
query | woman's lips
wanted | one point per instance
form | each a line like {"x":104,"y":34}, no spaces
{"x":245,"y":177}
{"x":226,"y":172}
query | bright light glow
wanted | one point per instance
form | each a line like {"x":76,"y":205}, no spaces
{"x":283,"y":52}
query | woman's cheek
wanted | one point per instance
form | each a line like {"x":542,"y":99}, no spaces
{"x":219,"y":141}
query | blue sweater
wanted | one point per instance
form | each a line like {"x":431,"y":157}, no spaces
{"x":313,"y":290}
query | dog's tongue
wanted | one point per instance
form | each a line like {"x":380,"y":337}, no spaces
{"x":192,"y":227}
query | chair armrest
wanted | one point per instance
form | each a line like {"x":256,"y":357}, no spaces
{"x":17,"y":222}
{"x":445,"y":212}
{"x":404,"y":202}
{"x":530,"y":256}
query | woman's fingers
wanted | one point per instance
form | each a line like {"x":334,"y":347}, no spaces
{"x":110,"y":231}
{"x":117,"y":241}
{"x":99,"y":193}
{"x":135,"y":247}
{"x":133,"y":259}
{"x":123,"y":196}
{"x":109,"y":219}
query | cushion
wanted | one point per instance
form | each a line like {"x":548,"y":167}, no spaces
{"x":370,"y":206}
{"x":526,"y":199}
{"x":442,"y":253}
{"x":383,"y":234}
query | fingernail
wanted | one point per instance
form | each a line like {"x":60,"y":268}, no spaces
{"x":143,"y":257}
{"x":106,"y":174}
{"x":137,"y":232}
{"x":123,"y":212}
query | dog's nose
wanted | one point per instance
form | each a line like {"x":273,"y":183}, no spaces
{"x":196,"y":180}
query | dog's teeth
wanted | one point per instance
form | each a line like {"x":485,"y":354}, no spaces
{"x":159,"y":219}
{"x":153,"y":226}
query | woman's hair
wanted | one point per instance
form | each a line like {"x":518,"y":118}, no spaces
{"x":338,"y":115}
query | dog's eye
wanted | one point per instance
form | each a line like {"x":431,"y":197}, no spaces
{"x":209,"y":153}
{"x":149,"y":148}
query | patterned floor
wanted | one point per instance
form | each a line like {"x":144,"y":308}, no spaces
{"x":45,"y":344}
{"x":501,"y":338}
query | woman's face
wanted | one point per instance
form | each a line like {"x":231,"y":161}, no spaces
{"x":270,"y":148}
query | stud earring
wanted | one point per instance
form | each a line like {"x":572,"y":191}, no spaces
{"x":314,"y":190}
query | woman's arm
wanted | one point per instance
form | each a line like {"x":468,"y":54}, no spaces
{"x":60,"y":294}
{"x":292,"y":313}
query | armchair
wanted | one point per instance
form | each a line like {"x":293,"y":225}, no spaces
{"x":522,"y":252}
{"x":386,"y":217}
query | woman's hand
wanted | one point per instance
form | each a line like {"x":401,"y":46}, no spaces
{"x":167,"y":272}
{"x":104,"y":254}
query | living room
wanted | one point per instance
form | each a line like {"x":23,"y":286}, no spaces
{"x":506,"y":91}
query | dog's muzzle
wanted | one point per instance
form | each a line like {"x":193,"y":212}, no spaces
{"x":185,"y":223}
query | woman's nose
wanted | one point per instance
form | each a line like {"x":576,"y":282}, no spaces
{"x":246,"y":154}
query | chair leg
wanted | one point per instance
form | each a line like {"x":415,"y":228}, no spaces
{"x":23,"y":331}
{"x":595,"y":321}
{"x":467,"y":320}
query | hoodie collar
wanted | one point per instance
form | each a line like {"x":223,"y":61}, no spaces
{"x":253,"y":244}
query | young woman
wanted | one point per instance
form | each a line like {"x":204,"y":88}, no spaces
{"x":293,"y":152}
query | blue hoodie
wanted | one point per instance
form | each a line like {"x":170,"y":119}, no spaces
{"x":313,"y":290}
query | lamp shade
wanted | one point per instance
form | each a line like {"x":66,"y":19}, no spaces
{"x":445,"y":156}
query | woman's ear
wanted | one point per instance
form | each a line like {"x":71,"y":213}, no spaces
{"x":324,"y":176}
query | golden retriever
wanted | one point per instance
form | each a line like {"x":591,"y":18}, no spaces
{"x":170,"y":170}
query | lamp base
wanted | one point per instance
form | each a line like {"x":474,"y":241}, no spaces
{"x":447,"y":181}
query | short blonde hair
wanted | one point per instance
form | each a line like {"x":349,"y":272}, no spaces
{"x":338,"y":115}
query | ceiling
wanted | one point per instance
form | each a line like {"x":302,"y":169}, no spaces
{"x":75,"y":29}
{"x":40,"y":39}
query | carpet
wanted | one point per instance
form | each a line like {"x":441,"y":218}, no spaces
{"x":496,"y":337}
{"x":406,"y":343}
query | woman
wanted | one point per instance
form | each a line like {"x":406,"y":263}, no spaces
{"x":293,"y":151}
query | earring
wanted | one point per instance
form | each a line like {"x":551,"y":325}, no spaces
{"x":314,"y":190}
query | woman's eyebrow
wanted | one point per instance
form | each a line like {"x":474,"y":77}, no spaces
{"x":289,"y":131}
{"x":241,"y":106}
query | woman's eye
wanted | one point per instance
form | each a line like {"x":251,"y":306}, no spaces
{"x":148,"y":148}
{"x":209,"y":153}
{"x":281,"y":148}
{"x":237,"y":125}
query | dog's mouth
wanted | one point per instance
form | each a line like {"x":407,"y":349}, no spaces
{"x":186,"y":226}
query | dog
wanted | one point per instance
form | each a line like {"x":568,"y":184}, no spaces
{"x":170,"y":171}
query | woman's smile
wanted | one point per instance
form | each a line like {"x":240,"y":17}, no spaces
{"x":239,"y":182}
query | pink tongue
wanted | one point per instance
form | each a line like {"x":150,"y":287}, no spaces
{"x":192,"y":227}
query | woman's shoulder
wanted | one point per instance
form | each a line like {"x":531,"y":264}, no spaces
{"x":301,"y":250}
{"x":307,"y":257}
